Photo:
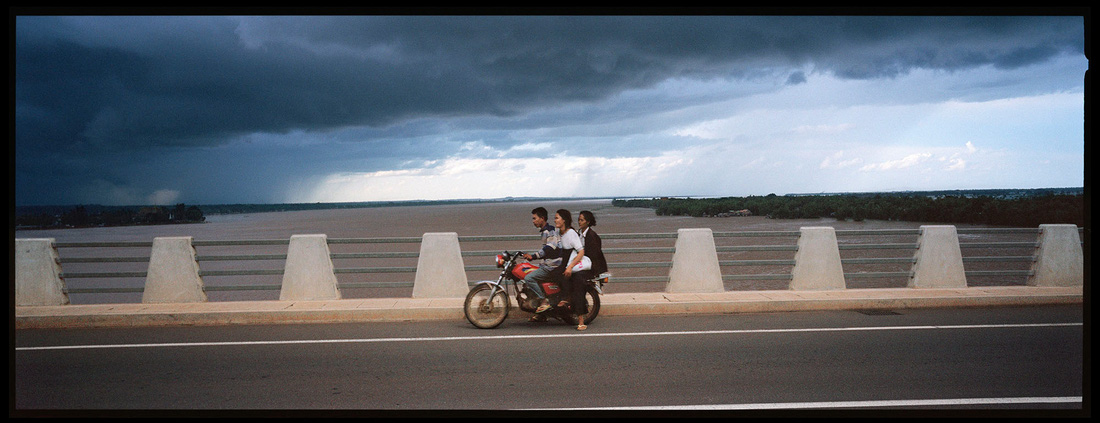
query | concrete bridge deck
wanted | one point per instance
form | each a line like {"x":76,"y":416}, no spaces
{"x":654,"y":303}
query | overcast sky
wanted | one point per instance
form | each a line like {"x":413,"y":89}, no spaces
{"x":207,"y":110}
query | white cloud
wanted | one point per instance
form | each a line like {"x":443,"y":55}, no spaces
{"x":541,"y":146}
{"x":499,"y":177}
{"x":836,"y":161}
{"x":906,"y":162}
{"x":825,"y":135}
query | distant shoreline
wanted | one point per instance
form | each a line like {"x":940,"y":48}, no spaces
{"x":1022,"y":208}
{"x":239,"y":208}
{"x":243,"y":208}
{"x":26,"y":215}
{"x":91,"y":216}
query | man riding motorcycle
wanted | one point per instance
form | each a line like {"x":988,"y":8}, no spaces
{"x":548,"y":255}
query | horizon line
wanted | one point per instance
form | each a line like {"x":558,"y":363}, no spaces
{"x":524,"y":199}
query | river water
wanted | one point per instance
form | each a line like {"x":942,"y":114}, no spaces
{"x":502,"y":218}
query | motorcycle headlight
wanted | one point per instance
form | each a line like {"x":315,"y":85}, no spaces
{"x":500,"y":261}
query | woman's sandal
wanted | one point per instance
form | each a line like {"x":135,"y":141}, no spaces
{"x":542,"y":308}
{"x":582,"y":327}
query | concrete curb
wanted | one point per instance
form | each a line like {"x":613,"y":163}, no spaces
{"x":627,"y":304}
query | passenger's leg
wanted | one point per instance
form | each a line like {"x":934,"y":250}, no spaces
{"x":579,"y":284}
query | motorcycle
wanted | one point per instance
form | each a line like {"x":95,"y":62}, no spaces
{"x":488,"y":303}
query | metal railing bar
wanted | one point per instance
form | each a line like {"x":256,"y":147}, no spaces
{"x":374,"y":255}
{"x":482,"y":253}
{"x":849,"y":232}
{"x":768,"y":234}
{"x":766,"y":276}
{"x":904,"y":260}
{"x":204,"y":273}
{"x":76,"y":275}
{"x":359,"y":285}
{"x":102,"y":290}
{"x":904,"y":246}
{"x":1000,"y":259}
{"x":656,"y":264}
{"x":878,"y":275}
{"x":639,"y":250}
{"x":741,"y":248}
{"x":375,"y":270}
{"x":486,"y":238}
{"x":242,"y":257}
{"x":756,"y":262}
{"x":244,"y":288}
{"x":218,"y":243}
{"x":970,"y":231}
{"x":999,"y":273}
{"x":639,"y":236}
{"x":141,"y":244}
{"x":144,"y":259}
{"x":639,"y":279}
{"x":998,"y":244}
{"x":394,"y":240}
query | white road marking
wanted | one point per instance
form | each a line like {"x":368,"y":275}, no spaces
{"x":536,"y":336}
{"x":851,"y":404}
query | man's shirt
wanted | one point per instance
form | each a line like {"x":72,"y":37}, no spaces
{"x":551,"y":243}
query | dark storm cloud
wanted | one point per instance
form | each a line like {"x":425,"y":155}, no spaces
{"x":134,"y":104}
{"x":105,"y":82}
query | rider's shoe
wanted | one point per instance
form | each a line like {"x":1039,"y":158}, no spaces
{"x":542,"y":308}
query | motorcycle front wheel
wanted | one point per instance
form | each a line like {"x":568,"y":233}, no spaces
{"x":485,"y":312}
{"x":593,"y":299}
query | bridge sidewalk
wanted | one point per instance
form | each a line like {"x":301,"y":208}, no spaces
{"x":655,"y":303}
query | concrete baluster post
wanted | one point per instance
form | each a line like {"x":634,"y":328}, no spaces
{"x":695,"y":263}
{"x":1059,"y":260}
{"x":938,"y":259}
{"x":173,"y":275}
{"x":309,"y":274}
{"x":38,"y":273}
{"x":440,"y":271}
{"x":817,"y":262}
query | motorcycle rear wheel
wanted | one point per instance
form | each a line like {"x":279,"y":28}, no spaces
{"x":593,"y":299}
{"x":485,"y":312}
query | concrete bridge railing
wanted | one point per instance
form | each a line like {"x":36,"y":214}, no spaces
{"x":174,"y":274}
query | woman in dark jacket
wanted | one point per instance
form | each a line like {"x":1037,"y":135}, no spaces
{"x":593,"y":249}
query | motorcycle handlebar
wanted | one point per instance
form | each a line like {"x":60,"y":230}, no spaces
{"x":514,"y":255}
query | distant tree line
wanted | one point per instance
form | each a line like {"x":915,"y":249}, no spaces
{"x":82,"y":216}
{"x":1023,"y":211}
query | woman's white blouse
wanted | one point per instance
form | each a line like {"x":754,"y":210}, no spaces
{"x":570,"y":240}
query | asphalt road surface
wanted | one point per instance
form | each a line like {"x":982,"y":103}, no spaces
{"x":997,"y":358}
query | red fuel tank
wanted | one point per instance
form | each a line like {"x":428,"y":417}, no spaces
{"x":521,"y":270}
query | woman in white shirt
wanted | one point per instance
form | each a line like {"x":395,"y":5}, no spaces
{"x":570,"y":242}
